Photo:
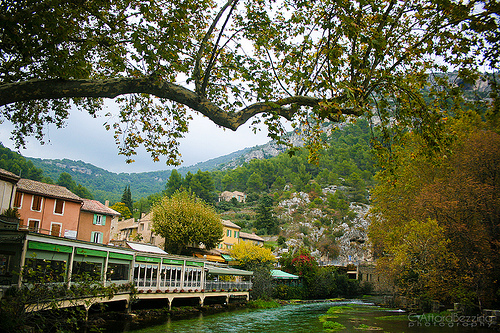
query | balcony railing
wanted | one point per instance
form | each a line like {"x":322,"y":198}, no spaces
{"x":223,"y":285}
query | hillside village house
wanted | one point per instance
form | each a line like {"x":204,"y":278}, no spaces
{"x":144,"y":230}
{"x":48,"y":209}
{"x":95,"y":222}
{"x":8,"y":182}
{"x":124,"y":230}
{"x":227,"y":196}
{"x":230,"y":235}
{"x":253,"y":238}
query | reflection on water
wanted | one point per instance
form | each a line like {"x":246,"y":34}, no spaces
{"x":354,"y":316}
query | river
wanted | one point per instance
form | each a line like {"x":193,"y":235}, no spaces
{"x":354,"y":316}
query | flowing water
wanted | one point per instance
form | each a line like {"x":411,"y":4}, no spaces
{"x":355,"y":316}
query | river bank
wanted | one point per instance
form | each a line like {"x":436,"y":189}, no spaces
{"x":139,"y":319}
{"x":306,"y":317}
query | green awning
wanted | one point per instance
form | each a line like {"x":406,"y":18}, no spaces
{"x":227,"y":257}
{"x":227,"y":271}
{"x":277,"y":274}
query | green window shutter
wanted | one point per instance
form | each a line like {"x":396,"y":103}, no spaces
{"x":95,"y":219}
{"x":104,"y":220}
{"x":92,"y":235}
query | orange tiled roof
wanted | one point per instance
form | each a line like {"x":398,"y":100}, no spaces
{"x":251,"y":236}
{"x":97,"y":207}
{"x":230,"y":224}
{"x":46,"y":190}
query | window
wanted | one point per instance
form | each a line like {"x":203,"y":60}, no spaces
{"x":36,"y":203}
{"x":99,"y":219}
{"x":33,"y":225}
{"x":18,"y":200}
{"x":83,"y":270}
{"x":55,"y":229}
{"x":117,"y":272}
{"x":42,"y":270}
{"x":228,"y":233}
{"x":142,"y":227}
{"x":236,"y":234}
{"x":96,"y":237}
{"x":59,"y":206}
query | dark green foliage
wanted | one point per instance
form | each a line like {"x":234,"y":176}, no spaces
{"x":266,"y":222}
{"x":174,"y":183}
{"x":82,"y":192}
{"x":17,"y":164}
{"x":67,"y":181}
{"x":127,"y":198}
{"x":261,"y":282}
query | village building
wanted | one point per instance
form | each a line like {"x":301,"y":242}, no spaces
{"x":230,"y":235}
{"x":48,"y":209}
{"x":8,"y":182}
{"x":146,"y":234}
{"x":227,"y":196}
{"x":124,"y":230}
{"x":253,"y":238}
{"x":95,"y":222}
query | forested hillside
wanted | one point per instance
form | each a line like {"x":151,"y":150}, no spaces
{"x":347,"y":159}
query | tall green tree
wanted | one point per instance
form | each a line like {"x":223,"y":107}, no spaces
{"x":127,"y":198}
{"x":265,"y":219}
{"x":255,"y":183}
{"x":174,"y":183}
{"x":66,"y":180}
{"x":305,"y":61}
{"x":184,"y":220}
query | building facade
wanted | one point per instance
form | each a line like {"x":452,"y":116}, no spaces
{"x":8,"y":182}
{"x":95,"y":222}
{"x":47,"y":209}
{"x":230,"y":236}
{"x":227,"y":196}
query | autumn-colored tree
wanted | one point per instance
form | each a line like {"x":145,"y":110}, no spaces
{"x":435,"y":222}
{"x":305,"y":61}
{"x":250,"y":255}
{"x":124,"y":211}
{"x":184,"y":220}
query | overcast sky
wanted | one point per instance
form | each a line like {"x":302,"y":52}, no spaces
{"x":84,"y":138}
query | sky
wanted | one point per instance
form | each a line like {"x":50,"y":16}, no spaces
{"x":85,"y":138}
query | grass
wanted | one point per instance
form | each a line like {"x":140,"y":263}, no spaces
{"x":364,"y":327}
{"x":333,"y":326}
{"x":326,"y":317}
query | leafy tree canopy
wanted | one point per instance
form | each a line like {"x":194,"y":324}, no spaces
{"x":312,"y":61}
{"x":250,"y":255}
{"x":121,"y":208}
{"x":435,"y":217}
{"x":184,"y":220}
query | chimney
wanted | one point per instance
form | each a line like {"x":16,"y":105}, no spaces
{"x":106,"y":203}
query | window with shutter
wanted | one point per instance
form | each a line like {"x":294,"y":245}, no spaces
{"x":59,"y":206}
{"x":18,"y":200}
{"x":96,"y":237}
{"x":36,"y":203}
{"x":99,"y":219}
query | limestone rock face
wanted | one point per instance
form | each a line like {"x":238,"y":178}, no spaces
{"x":303,"y":225}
